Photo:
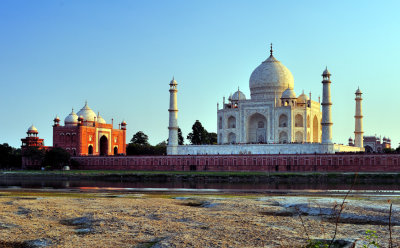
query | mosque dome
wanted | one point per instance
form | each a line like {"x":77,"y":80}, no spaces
{"x":358,"y":91}
{"x":238,"y":96}
{"x":100,"y":119}
{"x":270,"y":79}
{"x":32,"y":129}
{"x":87,"y":113}
{"x":71,"y":119}
{"x":303,"y":98}
{"x":289,"y":94}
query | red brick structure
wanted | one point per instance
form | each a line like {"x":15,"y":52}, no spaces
{"x":86,"y":133}
{"x":267,"y":163}
{"x":32,"y":140}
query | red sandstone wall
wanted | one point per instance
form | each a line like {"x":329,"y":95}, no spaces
{"x":77,"y":138}
{"x":267,"y":163}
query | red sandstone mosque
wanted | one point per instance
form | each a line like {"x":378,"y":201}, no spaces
{"x":84,"y":133}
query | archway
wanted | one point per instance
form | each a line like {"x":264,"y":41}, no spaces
{"x":103,"y":146}
{"x":298,"y":137}
{"x":368,"y":149}
{"x":283,"y":120}
{"x":90,"y":150}
{"x":298,"y":121}
{"x":283,"y":137}
{"x":315,"y":130}
{"x":257,"y":129}
{"x":231,"y":122}
{"x":232,"y":138}
{"x":115,"y":150}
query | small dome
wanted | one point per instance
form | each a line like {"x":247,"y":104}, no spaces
{"x":57,"y":118}
{"x":350,"y":139}
{"x":326,"y":72}
{"x":87,"y":113}
{"x":32,"y":129}
{"x":288,"y":93}
{"x":123,"y":123}
{"x":358,"y":91}
{"x":173,"y":81}
{"x":238,"y":96}
{"x":71,"y":119}
{"x":303,"y":98}
{"x":100,"y":119}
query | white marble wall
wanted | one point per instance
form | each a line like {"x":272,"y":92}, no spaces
{"x":265,"y":149}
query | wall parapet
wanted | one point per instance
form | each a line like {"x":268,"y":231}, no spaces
{"x":268,"y":163}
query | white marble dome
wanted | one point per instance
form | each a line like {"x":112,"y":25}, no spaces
{"x":87,"y":113}
{"x":32,"y":129}
{"x":288,"y":94}
{"x":270,"y":79}
{"x":238,"y":96}
{"x":303,"y":98}
{"x":71,"y":119}
{"x":100,"y":119}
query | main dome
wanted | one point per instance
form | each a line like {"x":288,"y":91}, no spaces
{"x":270,"y":79}
{"x":87,"y":113}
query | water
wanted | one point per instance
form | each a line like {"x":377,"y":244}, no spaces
{"x":196,"y":186}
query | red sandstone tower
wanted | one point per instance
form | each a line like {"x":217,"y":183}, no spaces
{"x":32,"y":140}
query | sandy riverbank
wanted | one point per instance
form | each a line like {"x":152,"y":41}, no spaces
{"x":54,"y":219}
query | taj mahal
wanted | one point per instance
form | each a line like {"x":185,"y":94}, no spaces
{"x":273,"y":121}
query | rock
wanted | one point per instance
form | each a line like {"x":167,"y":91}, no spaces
{"x":37,"y":243}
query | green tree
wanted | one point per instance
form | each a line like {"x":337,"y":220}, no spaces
{"x":212,"y":138}
{"x":140,"y":138}
{"x":199,"y":134}
{"x":180,"y":137}
{"x":10,"y":157}
{"x":56,"y":158}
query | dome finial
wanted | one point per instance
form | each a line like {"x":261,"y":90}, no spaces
{"x":271,"y":51}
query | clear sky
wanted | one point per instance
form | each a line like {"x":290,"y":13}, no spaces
{"x":121,"y":55}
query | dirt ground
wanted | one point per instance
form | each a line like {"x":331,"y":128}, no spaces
{"x":53,"y":219}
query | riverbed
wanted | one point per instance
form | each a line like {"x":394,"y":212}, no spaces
{"x":92,"y":218}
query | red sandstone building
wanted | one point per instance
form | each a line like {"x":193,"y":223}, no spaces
{"x":86,"y":133}
{"x":32,"y":140}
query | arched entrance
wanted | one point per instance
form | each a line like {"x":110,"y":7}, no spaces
{"x":283,"y":138}
{"x":257,"y":129}
{"x":103,"y":146}
{"x":231,"y":122}
{"x":115,"y":150}
{"x":298,"y":137}
{"x":232,"y":138}
{"x":368,"y":149}
{"x":90,"y":150}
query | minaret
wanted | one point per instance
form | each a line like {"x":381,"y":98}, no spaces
{"x":326,"y":108}
{"x":172,"y":148}
{"x":358,"y":132}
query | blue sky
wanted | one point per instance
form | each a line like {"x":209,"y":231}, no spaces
{"x":121,"y":55}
